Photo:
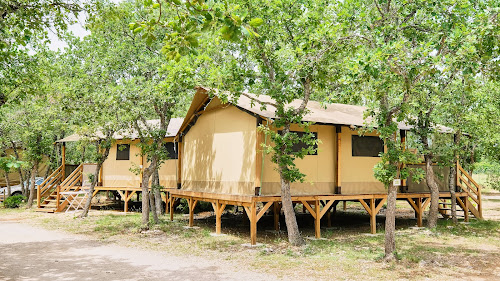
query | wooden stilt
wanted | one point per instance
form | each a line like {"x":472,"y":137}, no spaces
{"x":373,"y":217}
{"x":253,"y":224}
{"x":420,"y":212}
{"x":125,"y":208}
{"x":172,"y":200}
{"x":191,"y":204}
{"x":317,"y":219}
{"x":345,"y":205}
{"x":219,"y":209}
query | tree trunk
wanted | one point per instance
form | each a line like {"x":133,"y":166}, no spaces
{"x":152,"y":199}
{"x":95,"y":178}
{"x":434,"y":189}
{"x":286,"y":199}
{"x":157,"y":194}
{"x":290,"y":219}
{"x":452,"y":186}
{"x":7,"y":181}
{"x":390,"y":223}
{"x":32,"y":185}
{"x":146,"y":174}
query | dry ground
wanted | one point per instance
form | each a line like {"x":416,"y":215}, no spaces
{"x":468,"y":251}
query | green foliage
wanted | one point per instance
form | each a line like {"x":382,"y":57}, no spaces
{"x":9,"y":163}
{"x":14,"y":201}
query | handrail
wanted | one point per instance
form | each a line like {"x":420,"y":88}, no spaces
{"x":51,"y":175}
{"x":72,"y":175}
{"x":48,"y":184}
{"x":469,"y":185}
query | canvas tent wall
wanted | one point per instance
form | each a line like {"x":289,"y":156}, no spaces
{"x":14,"y":177}
{"x":124,"y":160}
{"x":222,"y":153}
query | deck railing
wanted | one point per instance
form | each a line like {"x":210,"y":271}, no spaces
{"x":467,"y":184}
{"x":49,"y":184}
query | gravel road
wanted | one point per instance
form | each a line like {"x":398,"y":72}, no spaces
{"x":32,"y":253}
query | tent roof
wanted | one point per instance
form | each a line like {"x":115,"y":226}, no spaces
{"x":173,"y":128}
{"x":335,"y":113}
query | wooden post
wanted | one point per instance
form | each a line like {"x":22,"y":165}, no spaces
{"x":167,"y":202}
{"x":317,"y":219}
{"x":179,"y":165}
{"x":191,"y":212}
{"x":38,"y":197}
{"x":466,"y":211}
{"x":345,"y":205}
{"x":63,"y":161}
{"x":338,"y":179}
{"x":373,"y":216}
{"x":419,"y":212}
{"x":253,"y":223}
{"x":276,"y":213}
{"x":58,"y":196}
{"x":218,"y":214}
{"x":258,"y":159}
{"x":125,"y":209}
{"x":100,"y":180}
{"x":172,"y":200}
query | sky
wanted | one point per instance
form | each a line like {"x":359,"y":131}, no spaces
{"x":77,"y":29}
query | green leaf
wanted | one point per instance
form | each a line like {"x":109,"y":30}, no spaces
{"x":156,"y":5}
{"x":137,"y":30}
{"x":256,"y":22}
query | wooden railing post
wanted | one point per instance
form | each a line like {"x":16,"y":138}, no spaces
{"x":38,"y":196}
{"x":58,"y":197}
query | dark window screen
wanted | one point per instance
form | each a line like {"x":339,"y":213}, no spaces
{"x":123,"y":152}
{"x":367,"y":146}
{"x":172,"y":151}
{"x":298,"y":146}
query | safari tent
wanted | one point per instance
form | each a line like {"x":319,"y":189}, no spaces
{"x":117,"y":172}
{"x":222,"y":152}
{"x":222,"y":161}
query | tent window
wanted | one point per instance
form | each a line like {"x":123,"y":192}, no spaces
{"x":298,"y":146}
{"x":367,"y":146}
{"x":172,"y":150}
{"x":123,"y":152}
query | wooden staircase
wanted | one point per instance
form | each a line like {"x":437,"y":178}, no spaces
{"x":54,"y":202}
{"x":471,"y":205}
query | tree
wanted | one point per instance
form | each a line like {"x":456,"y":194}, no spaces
{"x":404,"y":45}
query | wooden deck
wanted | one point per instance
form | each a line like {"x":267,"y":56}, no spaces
{"x":317,"y":205}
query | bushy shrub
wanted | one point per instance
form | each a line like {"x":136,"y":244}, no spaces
{"x":14,"y":201}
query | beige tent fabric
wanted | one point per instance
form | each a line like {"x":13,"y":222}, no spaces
{"x":116,"y":173}
{"x":319,"y":169}
{"x":442,"y":174}
{"x":88,"y":169}
{"x":173,"y":128}
{"x":219,"y":152}
{"x":357,"y":171}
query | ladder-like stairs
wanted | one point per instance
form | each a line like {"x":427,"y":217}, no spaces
{"x":55,"y":202}
{"x":471,"y":205}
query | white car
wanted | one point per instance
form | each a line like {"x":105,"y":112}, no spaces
{"x":17,"y":190}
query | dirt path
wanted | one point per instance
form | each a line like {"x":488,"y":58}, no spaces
{"x":31,"y":253}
